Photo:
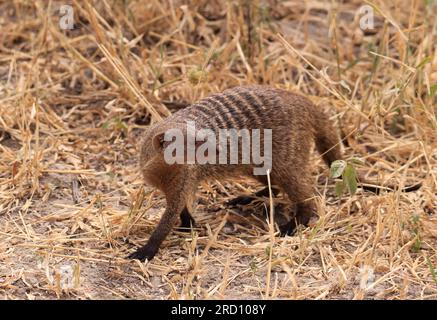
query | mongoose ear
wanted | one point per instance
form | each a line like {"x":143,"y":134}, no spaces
{"x":176,"y":132}
{"x":158,"y":141}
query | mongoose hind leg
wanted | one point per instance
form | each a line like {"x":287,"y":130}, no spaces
{"x":304,"y":212}
{"x":187,"y":221}
{"x":299,"y":193}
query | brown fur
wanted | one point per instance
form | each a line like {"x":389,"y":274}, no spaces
{"x":295,"y":123}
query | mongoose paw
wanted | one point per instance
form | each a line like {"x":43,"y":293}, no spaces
{"x":288,"y":229}
{"x":187,"y":221}
{"x":242,"y":201}
{"x":143,"y":253}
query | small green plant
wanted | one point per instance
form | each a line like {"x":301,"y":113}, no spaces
{"x":418,"y":239}
{"x":116,"y":124}
{"x":268,"y":251}
{"x":348,"y":174}
{"x":253,"y":266}
{"x":432,"y":90}
{"x":422,"y":63}
{"x":197,"y":75}
{"x":431,"y":269}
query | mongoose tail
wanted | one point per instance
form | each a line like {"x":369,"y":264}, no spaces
{"x":329,"y":145}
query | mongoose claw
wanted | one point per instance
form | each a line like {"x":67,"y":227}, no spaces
{"x":142,"y":254}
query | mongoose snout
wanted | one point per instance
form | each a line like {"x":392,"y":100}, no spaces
{"x":294,"y":123}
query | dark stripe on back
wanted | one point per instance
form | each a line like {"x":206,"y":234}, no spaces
{"x":233,"y":109}
{"x":248,"y":111}
{"x":204,"y":111}
{"x":255,"y":104}
{"x":272,"y":108}
{"x":228,"y":112}
{"x":258,"y":101}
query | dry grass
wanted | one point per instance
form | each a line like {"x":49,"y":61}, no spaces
{"x":73,"y":104}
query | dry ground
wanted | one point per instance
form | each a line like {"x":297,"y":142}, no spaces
{"x":73,"y":104}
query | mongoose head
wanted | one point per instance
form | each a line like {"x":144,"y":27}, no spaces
{"x":155,"y":169}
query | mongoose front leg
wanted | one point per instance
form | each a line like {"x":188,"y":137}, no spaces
{"x":162,"y":230}
{"x":178,"y":202}
{"x":187,"y":221}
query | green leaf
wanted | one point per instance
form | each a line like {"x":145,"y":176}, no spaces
{"x":339,"y":188}
{"x":417,"y":244}
{"x":355,"y":160}
{"x":268,"y":249}
{"x":121,"y":125}
{"x":350,"y":179}
{"x":423,"y":62}
{"x":433,"y":89}
{"x":337,"y":168}
{"x":253,"y":266}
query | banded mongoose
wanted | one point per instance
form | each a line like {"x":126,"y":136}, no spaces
{"x":295,"y":123}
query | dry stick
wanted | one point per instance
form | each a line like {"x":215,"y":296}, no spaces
{"x":83,"y":258}
{"x":119,"y":67}
{"x":26,"y":229}
{"x":206,"y":250}
{"x":411,"y":69}
{"x":131,"y":84}
{"x":334,"y":92}
{"x":59,"y":247}
{"x":214,"y":237}
{"x":338,"y":143}
{"x":292,"y":278}
{"x":115,"y":293}
{"x":392,"y":146}
{"x":243,"y":58}
{"x":30,"y":90}
{"x":430,"y":168}
{"x":93,"y":16}
{"x":272,"y":235}
{"x":72,"y":171}
{"x":165,"y":38}
{"x":36,"y":162}
{"x":68,"y":46}
{"x":290,"y":48}
{"x":224,"y":282}
{"x":373,"y":73}
{"x":405,"y":166}
{"x":389,"y":19}
{"x":123,"y":17}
